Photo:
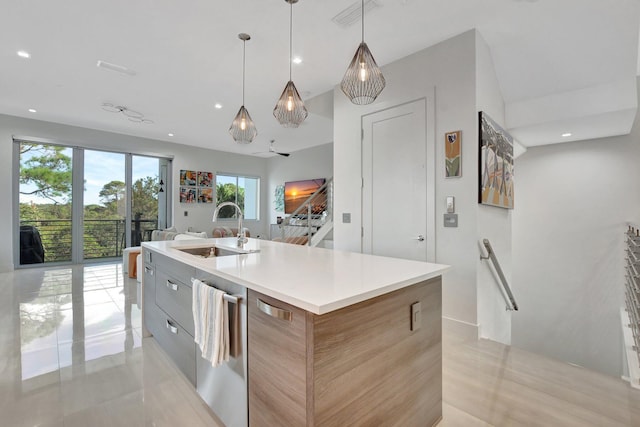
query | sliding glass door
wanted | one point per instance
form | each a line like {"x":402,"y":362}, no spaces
{"x":45,"y":203}
{"x":104,"y":204}
{"x":79,"y":205}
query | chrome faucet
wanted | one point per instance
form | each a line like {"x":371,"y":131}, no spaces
{"x":242,"y":237}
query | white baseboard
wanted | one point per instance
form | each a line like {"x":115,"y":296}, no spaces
{"x":459,"y":330}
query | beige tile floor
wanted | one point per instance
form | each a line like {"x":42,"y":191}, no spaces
{"x":71,"y":354}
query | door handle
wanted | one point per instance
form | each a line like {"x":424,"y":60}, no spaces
{"x":420,"y":238}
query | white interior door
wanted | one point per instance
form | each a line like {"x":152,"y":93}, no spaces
{"x":396,"y":187}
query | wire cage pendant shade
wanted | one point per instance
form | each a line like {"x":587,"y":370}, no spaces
{"x":290,"y":110}
{"x":242,"y":129}
{"x":363,"y":81}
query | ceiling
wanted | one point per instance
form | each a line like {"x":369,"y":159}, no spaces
{"x":551,"y":58}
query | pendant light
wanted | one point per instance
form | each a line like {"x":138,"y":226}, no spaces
{"x":290,"y":110}
{"x":242,"y":129}
{"x":363,"y":81}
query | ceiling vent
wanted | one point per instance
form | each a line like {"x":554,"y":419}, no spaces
{"x":115,"y":67}
{"x":353,"y":13}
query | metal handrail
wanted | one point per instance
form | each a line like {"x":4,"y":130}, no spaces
{"x":492,"y":256}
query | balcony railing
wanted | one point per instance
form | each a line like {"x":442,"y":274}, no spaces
{"x":103,"y":238}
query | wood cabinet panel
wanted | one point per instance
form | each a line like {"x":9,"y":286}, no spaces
{"x":277,"y":365}
{"x":358,"y":366}
{"x":371,"y":369}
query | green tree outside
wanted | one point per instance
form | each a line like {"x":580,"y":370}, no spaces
{"x":45,"y":172}
{"x":229,"y":193}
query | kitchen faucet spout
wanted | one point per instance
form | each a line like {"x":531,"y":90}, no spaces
{"x":242,"y":237}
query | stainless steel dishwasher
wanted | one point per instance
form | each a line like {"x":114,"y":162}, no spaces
{"x":224,"y":388}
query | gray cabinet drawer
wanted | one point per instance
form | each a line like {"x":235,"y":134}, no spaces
{"x":176,"y":342}
{"x":174,"y":268}
{"x":174,"y":297}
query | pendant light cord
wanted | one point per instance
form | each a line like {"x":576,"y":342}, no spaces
{"x":362,"y":21}
{"x":290,"y":37}
{"x":244,"y":47}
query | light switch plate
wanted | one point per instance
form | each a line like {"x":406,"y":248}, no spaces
{"x":451,"y":204}
{"x":346,"y":218}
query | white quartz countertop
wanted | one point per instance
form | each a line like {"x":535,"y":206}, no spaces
{"x":315,"y":279}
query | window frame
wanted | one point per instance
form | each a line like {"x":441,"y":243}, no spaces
{"x":258,"y":195}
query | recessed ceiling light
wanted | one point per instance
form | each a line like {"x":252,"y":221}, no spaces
{"x":31,"y":110}
{"x":564,"y":135}
{"x":170,"y":134}
{"x":23,"y":54}
{"x":218,"y":106}
{"x":297,"y":60}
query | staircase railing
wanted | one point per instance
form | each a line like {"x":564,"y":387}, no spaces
{"x":631,"y":312}
{"x":313,"y":215}
{"x":513,"y":305}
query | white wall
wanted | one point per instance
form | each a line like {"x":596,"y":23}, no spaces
{"x":460,"y":72}
{"x":315,"y":162}
{"x":493,"y":223}
{"x":184,"y":157}
{"x":572,"y":204}
{"x":449,"y":67}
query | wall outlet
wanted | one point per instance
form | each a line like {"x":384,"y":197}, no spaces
{"x":186,"y":213}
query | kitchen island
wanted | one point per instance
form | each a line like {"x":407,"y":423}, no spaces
{"x":321,"y":337}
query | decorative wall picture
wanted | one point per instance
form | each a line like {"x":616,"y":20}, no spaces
{"x":205,"y":195}
{"x":453,"y":154}
{"x":278,"y":199}
{"x":496,"y":181}
{"x":187,"y":177}
{"x":205,"y":179}
{"x":187,"y":194}
{"x":296,"y":192}
{"x":196,"y":186}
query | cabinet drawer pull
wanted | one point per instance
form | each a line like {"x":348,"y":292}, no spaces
{"x":272,"y":311}
{"x":171,"y":285}
{"x":149,"y":271}
{"x":173,"y":329}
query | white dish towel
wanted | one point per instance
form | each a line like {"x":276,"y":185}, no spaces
{"x":211,"y":322}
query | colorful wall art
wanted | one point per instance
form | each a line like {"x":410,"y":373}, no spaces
{"x":496,"y":181}
{"x":196,"y":186}
{"x":453,"y":154}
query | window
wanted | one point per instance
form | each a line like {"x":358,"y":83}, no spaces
{"x":76,"y":204}
{"x":244,"y":191}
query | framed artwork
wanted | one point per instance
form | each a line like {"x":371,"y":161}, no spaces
{"x":278,"y":199}
{"x":187,"y":194}
{"x":453,"y":154}
{"x":496,"y":180}
{"x":205,"y":179}
{"x":187,"y":177}
{"x":196,"y":187}
{"x":205,"y":195}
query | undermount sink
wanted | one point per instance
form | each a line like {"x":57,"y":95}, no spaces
{"x":208,"y":251}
